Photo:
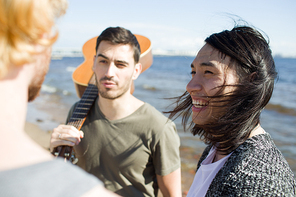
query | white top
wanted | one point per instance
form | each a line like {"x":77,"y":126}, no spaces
{"x":205,"y":174}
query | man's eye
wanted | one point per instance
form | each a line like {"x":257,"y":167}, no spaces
{"x":103,"y":61}
{"x":208,"y":72}
{"x":120,"y":65}
{"x":192,"y":72}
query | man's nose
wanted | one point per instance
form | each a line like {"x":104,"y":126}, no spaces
{"x":110,"y":70}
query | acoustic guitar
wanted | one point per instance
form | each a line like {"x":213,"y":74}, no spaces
{"x":84,"y":81}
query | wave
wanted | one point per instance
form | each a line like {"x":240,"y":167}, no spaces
{"x":281,"y":109}
{"x":70,"y":69}
{"x":48,"y":89}
{"x":148,"y":87}
{"x":54,"y":90}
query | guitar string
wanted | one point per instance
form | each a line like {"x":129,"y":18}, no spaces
{"x":86,"y":99}
{"x":76,"y":110}
{"x":92,"y":91}
{"x":90,"y":94}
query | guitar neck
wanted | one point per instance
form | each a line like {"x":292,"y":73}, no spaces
{"x":78,"y":117}
{"x":81,"y":110}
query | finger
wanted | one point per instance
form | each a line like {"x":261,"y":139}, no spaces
{"x":54,"y":144}
{"x":71,"y":130}
{"x":64,"y":135}
{"x":69,"y":127}
{"x":67,"y":136}
{"x":81,"y":134}
{"x":59,"y":139}
{"x":66,"y":131}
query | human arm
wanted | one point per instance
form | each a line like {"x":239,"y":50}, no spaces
{"x":167,"y":161}
{"x":170,"y":185}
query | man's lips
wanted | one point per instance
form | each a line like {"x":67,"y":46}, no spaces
{"x":108,"y":84}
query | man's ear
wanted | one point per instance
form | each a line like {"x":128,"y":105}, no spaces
{"x":94,"y":59}
{"x":137,"y":71}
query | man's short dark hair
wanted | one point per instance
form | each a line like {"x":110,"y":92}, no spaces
{"x":119,"y":35}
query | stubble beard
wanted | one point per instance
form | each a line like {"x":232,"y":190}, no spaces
{"x":108,"y":93}
{"x":41,"y":69}
{"x":35,"y":87}
{"x":33,"y":92}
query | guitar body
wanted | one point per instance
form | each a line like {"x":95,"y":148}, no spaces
{"x":83,"y":73}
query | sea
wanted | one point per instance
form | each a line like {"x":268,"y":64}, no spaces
{"x":167,"y":78}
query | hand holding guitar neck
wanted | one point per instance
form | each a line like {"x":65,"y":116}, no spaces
{"x":86,"y":89}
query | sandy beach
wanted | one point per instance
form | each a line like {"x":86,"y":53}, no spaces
{"x":38,"y":135}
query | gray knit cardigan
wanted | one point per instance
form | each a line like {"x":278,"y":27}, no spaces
{"x":255,"y":168}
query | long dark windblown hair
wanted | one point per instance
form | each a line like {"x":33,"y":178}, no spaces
{"x":252,"y":59}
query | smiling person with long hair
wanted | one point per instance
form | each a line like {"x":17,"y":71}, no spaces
{"x":232,"y":81}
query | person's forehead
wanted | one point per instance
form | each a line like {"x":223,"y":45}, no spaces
{"x":106,"y":47}
{"x":108,"y":44}
{"x":209,"y":56}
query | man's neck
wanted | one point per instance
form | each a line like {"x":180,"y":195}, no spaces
{"x":13,"y":103}
{"x":119,"y":108}
{"x":16,"y":148}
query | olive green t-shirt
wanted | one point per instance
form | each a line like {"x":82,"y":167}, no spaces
{"x":126,"y":154}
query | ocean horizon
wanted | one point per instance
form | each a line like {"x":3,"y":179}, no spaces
{"x":59,"y":53}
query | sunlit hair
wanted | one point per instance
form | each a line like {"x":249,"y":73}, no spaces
{"x":119,"y":35}
{"x":23,"y":25}
{"x":253,"y":62}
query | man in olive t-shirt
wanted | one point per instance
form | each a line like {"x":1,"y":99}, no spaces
{"x":128,"y":144}
{"x":126,"y":154}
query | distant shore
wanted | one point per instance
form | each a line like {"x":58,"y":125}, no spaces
{"x":77,"y":52}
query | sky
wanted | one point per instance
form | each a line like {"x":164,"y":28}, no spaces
{"x":178,"y":25}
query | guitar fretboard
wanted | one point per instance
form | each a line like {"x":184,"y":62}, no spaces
{"x":77,"y":119}
{"x":82,"y":108}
